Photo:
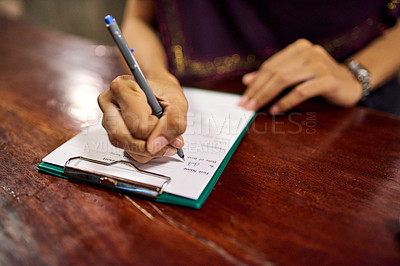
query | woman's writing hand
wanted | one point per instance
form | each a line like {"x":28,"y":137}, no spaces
{"x":130,"y":124}
{"x":312,"y":72}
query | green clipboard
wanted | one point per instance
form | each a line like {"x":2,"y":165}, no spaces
{"x":163,"y":197}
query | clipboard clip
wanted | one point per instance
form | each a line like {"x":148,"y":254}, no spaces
{"x":117,"y":182}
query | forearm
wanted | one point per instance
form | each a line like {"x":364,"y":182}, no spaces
{"x":137,"y":28}
{"x":382,"y":57}
{"x":148,"y":49}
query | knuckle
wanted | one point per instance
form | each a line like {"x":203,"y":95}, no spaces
{"x":279,"y":76}
{"x":301,"y":92}
{"x":319,"y":50}
{"x":102,"y":99}
{"x":303,"y":43}
{"x":115,"y":87}
{"x":118,"y":84}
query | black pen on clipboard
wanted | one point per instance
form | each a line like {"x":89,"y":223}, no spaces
{"x":126,"y":52}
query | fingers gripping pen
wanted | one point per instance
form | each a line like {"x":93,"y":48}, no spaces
{"x":119,"y":39}
{"x":133,"y":65}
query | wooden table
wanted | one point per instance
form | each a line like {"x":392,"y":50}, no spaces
{"x":320,"y":185}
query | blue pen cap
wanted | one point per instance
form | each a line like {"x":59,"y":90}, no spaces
{"x":109,"y":19}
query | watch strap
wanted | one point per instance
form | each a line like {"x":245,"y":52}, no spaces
{"x":362,"y":75}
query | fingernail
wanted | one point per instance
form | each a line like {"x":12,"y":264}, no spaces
{"x":274,"y":110}
{"x":157,"y":144}
{"x":251,"y":105}
{"x":243,"y":100}
{"x":178,"y":143}
{"x":170,"y":152}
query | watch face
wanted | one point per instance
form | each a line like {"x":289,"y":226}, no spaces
{"x":353,"y":65}
{"x":359,"y":71}
{"x":363,"y":75}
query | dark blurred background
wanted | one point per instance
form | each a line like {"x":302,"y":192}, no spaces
{"x":81,"y":17}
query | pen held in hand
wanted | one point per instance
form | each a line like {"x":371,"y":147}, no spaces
{"x":126,"y":52}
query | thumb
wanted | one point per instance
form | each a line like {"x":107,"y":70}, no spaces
{"x":172,"y":124}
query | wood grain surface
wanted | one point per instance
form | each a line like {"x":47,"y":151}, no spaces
{"x":319,"y":185}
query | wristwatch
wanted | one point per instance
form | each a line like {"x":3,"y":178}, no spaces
{"x":362,"y":75}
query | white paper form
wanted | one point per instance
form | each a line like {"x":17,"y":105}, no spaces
{"x":214,"y":122}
